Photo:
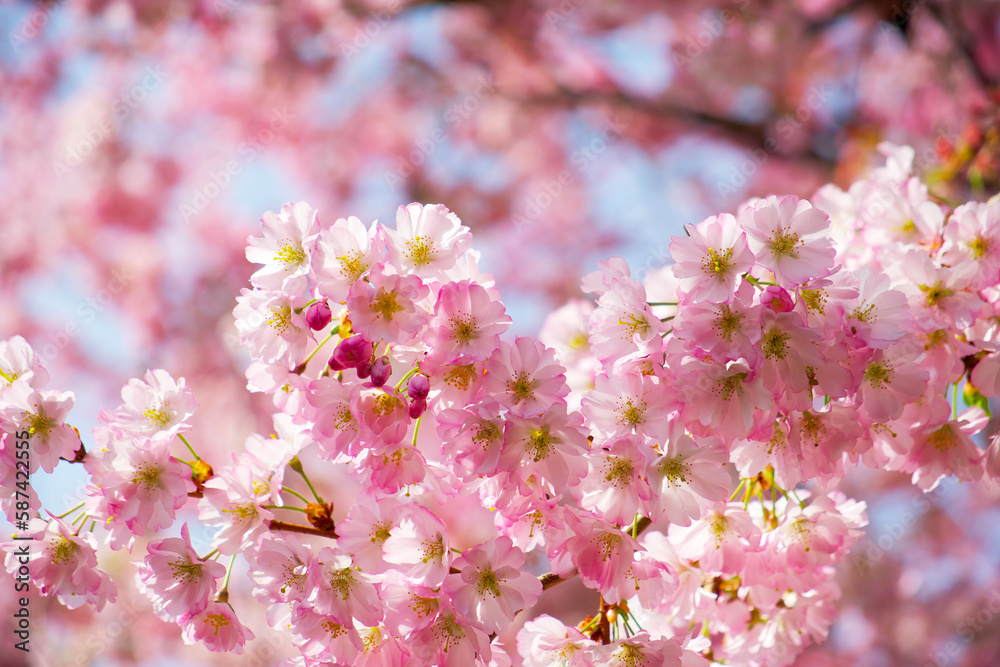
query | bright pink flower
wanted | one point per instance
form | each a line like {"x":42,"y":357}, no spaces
{"x":323,"y":638}
{"x":789,"y":353}
{"x":491,"y":586}
{"x":881,"y":315}
{"x":467,"y":322}
{"x":285,"y":248}
{"x":336,"y":429}
{"x":176,"y":579}
{"x":525,"y":377}
{"x":640,"y":649}
{"x":382,"y":414}
{"x":789,"y":238}
{"x":725,"y":331}
{"x":624,"y":323}
{"x":724,"y":398}
{"x":711,"y":259}
{"x":427,"y":241}
{"x":233,"y":502}
{"x":892,"y":379}
{"x":42,"y":414}
{"x":217,"y":627}
{"x":450,"y":641}
{"x":384,"y":306}
{"x":602,"y":554}
{"x":472,"y":438}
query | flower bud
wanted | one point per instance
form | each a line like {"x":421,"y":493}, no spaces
{"x":777,"y":299}
{"x":352,"y":352}
{"x":201,"y":472}
{"x":318,"y":315}
{"x":335,"y":365}
{"x":417,"y":407}
{"x":320,"y":515}
{"x":418,"y":387}
{"x":381,"y":370}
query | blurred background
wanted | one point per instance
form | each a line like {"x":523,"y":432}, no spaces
{"x":140,"y":141}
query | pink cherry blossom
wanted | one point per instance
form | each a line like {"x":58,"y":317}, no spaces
{"x":711,"y":259}
{"x":285,"y":248}
{"x":176,"y":579}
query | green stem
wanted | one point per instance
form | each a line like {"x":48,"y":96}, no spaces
{"x":296,"y":465}
{"x":410,"y":373}
{"x":323,"y":342}
{"x":954,"y":402}
{"x":283,"y":507}
{"x":229,"y":573}
{"x":737,"y":491}
{"x":662,"y":303}
{"x":188,"y":445}
{"x":298,"y":311}
{"x":71,"y":510}
{"x":213,"y":552}
{"x":296,"y":494}
{"x":416,"y":429}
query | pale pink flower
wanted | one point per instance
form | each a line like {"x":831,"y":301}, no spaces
{"x":986,"y":375}
{"x":711,"y":259}
{"x":891,"y":379}
{"x":336,"y":428}
{"x":881,"y":314}
{"x":545,"y":641}
{"x":491,"y":586}
{"x":450,"y":641}
{"x":385,"y":306}
{"x":624,"y":323}
{"x":615,"y":488}
{"x":940,"y":296}
{"x":42,"y":415}
{"x":323,"y":638}
{"x":467,"y":322}
{"x":176,"y":580}
{"x":724,"y":398}
{"x":944,"y":447}
{"x":341,"y":590}
{"x":279,"y":567}
{"x":271,"y":328}
{"x":285,"y":248}
{"x":689,"y":478}
{"x":602,"y":554}
{"x":144,"y":485}
{"x":973,"y":233}
{"x":625,"y":402}
{"x":411,"y":606}
{"x":18,"y":361}
{"x":525,"y":377}
{"x":544,"y":451}
{"x":157,"y":403}
{"x":428,"y":240}
{"x":723,"y":330}
{"x":217,"y":627}
{"x":233,"y":502}
{"x":65,"y":565}
{"x":720,"y":540}
{"x":789,"y":353}
{"x":640,"y":649}
{"x":472,"y":438}
{"x":368,"y":525}
{"x":418,"y":546}
{"x":344,"y":253}
{"x":789,"y":238}
{"x":382,"y":414}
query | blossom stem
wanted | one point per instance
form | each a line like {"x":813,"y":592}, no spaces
{"x":70,"y":511}
{"x":954,"y":401}
{"x":284,"y":507}
{"x":210,"y":554}
{"x":298,"y":311}
{"x":323,"y":342}
{"x":296,"y":465}
{"x":296,"y":494}
{"x":667,"y":319}
{"x":416,"y":429}
{"x":229,"y":573}
{"x":662,"y":303}
{"x":305,"y":530}
{"x":737,"y":491}
{"x":188,"y":445}
{"x":410,"y":373}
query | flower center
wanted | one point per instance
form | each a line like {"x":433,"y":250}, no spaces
{"x":717,"y":263}
{"x":420,"y":250}
{"x":290,"y":253}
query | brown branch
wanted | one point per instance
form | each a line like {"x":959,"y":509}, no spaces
{"x":305,"y":530}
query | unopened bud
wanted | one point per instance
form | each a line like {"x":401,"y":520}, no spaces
{"x":417,"y":407}
{"x":201,"y":472}
{"x":418,"y":387}
{"x":318,"y":315}
{"x":365,"y":368}
{"x":381,"y":370}
{"x":350,"y":353}
{"x":777,"y":299}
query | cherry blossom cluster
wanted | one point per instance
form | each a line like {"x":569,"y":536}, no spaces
{"x":674,"y":443}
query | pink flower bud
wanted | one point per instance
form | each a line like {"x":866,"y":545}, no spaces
{"x":777,"y":299}
{"x":417,"y":407}
{"x":381,"y":370}
{"x":418,"y":387}
{"x":352,"y":352}
{"x":318,"y":315}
